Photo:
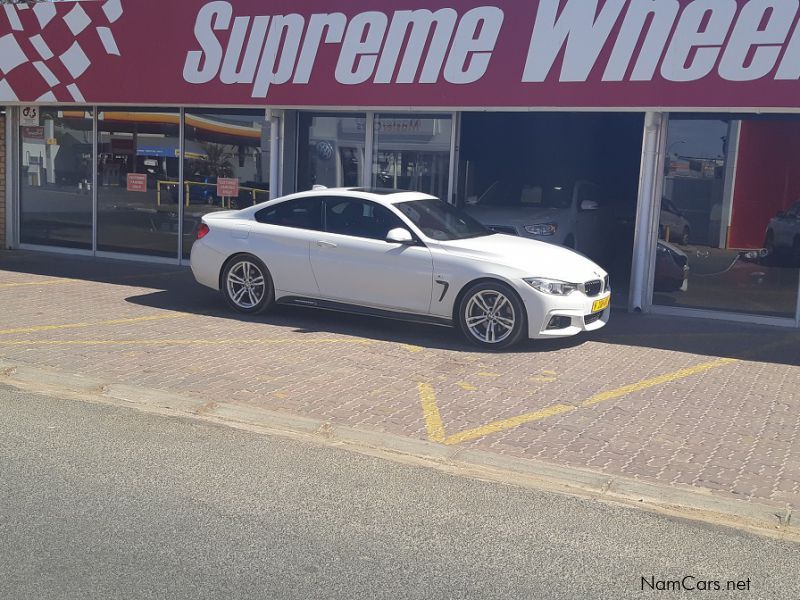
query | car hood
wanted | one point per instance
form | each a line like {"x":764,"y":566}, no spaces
{"x":516,"y":215}
{"x":530,"y":257}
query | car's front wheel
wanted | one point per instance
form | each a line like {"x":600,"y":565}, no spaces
{"x":491,"y":315}
{"x":247,"y":285}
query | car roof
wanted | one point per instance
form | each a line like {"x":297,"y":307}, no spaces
{"x":376,"y":194}
{"x":385,"y":196}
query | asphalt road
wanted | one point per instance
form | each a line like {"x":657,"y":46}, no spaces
{"x":103,"y":502}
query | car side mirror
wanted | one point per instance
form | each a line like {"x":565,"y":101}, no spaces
{"x":400,"y":236}
{"x":589,"y":205}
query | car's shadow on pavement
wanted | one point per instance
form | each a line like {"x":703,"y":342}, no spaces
{"x":742,"y":341}
{"x":723,"y":339}
{"x":194,"y":298}
{"x":169,"y":287}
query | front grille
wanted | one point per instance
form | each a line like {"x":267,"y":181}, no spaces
{"x":593,"y":288}
{"x":589,"y":319}
{"x":502,"y":229}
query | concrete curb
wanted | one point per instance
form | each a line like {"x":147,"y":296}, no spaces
{"x":683,"y":502}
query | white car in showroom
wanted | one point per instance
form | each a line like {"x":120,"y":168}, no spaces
{"x":402,"y":255}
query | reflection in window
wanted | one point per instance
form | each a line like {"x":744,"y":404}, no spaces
{"x":714,"y":241}
{"x":331,"y":150}
{"x":412,"y":152}
{"x":222,"y":144}
{"x":138,"y":168}
{"x":305,"y":213}
{"x":56,"y":179}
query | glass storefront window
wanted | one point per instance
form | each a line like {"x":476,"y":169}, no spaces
{"x":331,"y":150}
{"x":412,"y":152}
{"x":56,"y":179}
{"x":223,"y":144}
{"x":138,"y":177}
{"x":721,"y":245}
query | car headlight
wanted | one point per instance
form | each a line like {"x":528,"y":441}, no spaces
{"x":542,"y":229}
{"x":552,"y":286}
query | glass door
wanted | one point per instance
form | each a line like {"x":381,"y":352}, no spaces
{"x":56,"y":179}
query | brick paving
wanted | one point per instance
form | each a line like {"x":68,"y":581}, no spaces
{"x":732,"y":428}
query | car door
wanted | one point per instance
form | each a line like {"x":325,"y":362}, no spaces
{"x":282,"y":237}
{"x":354,"y":264}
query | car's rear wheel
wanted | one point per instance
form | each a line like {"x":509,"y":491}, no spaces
{"x":491,"y":315}
{"x":247,"y":285}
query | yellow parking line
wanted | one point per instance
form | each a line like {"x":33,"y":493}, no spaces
{"x":497,"y":426}
{"x":661,"y":379}
{"x":411,"y":348}
{"x":430,"y":411}
{"x":37,"y":328}
{"x":179,"y":342}
{"x":435,"y":426}
{"x":34,"y":283}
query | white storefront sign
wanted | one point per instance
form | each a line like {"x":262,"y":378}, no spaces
{"x":29,"y":116}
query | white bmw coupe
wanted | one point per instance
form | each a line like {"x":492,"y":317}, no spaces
{"x":401,"y":255}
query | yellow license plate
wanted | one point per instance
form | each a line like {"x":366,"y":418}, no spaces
{"x":601,"y":304}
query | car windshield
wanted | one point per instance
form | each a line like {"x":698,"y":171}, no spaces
{"x":538,"y":196}
{"x":441,"y":221}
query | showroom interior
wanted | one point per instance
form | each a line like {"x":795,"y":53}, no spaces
{"x":695,"y":214}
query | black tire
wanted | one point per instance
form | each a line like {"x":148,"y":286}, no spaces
{"x":496,"y":324}
{"x":249,"y":296}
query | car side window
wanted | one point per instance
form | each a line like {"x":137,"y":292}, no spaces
{"x":304,"y":213}
{"x":359,"y":218}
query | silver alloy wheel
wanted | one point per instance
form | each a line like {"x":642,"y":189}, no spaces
{"x":490,"y":317}
{"x":246,"y":284}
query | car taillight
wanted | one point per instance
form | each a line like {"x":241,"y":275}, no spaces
{"x":202,"y":231}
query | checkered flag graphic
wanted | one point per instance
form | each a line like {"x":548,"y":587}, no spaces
{"x":48,"y":47}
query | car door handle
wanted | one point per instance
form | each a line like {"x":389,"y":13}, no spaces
{"x":324,"y":244}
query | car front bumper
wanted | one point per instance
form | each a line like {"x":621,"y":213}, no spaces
{"x":563,"y":316}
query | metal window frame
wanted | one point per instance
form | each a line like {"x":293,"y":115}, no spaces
{"x":645,"y":232}
{"x":369,"y":149}
{"x":729,"y":186}
{"x":455,"y":151}
{"x":12,"y":177}
{"x":181,"y":185}
{"x":95,"y":177}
